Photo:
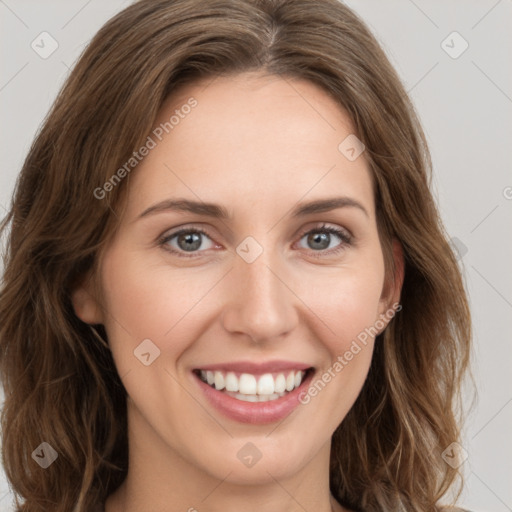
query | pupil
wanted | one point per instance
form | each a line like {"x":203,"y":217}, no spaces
{"x":193,"y":241}
{"x":321,"y":240}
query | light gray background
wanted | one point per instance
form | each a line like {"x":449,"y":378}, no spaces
{"x":465,"y":105}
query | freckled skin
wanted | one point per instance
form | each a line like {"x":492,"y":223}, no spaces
{"x":254,"y":145}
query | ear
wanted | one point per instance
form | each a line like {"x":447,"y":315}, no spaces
{"x":392,"y":289}
{"x":85,"y":304}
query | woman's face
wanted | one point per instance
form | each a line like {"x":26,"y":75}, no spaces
{"x":283,"y":287}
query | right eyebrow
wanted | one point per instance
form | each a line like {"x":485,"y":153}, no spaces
{"x":186,"y":205}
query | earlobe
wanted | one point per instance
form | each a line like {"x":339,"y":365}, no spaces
{"x":85,"y":305}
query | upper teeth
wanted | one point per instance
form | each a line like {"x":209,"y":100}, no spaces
{"x":249,"y":384}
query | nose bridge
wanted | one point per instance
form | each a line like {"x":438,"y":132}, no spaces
{"x":260,"y":304}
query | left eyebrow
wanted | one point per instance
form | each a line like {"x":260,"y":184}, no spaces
{"x":219,"y":212}
{"x":326,"y":205}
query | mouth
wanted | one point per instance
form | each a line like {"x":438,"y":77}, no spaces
{"x":250,"y":393}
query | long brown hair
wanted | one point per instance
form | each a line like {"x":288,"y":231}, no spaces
{"x":60,"y":382}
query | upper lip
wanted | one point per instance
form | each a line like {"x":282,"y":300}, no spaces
{"x":255,"y":367}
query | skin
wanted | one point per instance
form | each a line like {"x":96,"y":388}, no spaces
{"x":256,"y":145}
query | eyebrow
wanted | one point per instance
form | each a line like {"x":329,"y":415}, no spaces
{"x":219,"y":212}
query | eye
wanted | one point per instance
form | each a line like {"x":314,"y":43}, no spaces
{"x":187,"y":240}
{"x":323,"y":239}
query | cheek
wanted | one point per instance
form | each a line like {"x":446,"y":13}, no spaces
{"x":144,"y":301}
{"x":347,"y":306}
{"x":348,"y":302}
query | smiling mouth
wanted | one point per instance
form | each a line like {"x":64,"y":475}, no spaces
{"x":249,"y":387}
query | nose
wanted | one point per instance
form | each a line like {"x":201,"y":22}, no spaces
{"x":259,"y":300}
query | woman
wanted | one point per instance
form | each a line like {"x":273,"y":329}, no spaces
{"x":239,"y":292}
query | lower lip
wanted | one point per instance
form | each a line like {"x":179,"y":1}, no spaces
{"x":255,"y":413}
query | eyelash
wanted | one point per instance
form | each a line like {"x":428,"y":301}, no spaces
{"x":345,"y":237}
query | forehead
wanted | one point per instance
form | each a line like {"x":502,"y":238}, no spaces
{"x":250,"y":141}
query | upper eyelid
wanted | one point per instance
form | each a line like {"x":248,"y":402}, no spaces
{"x":325,"y":226}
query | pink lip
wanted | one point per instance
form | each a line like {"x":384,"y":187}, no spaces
{"x":255,"y":368}
{"x":255,"y":413}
